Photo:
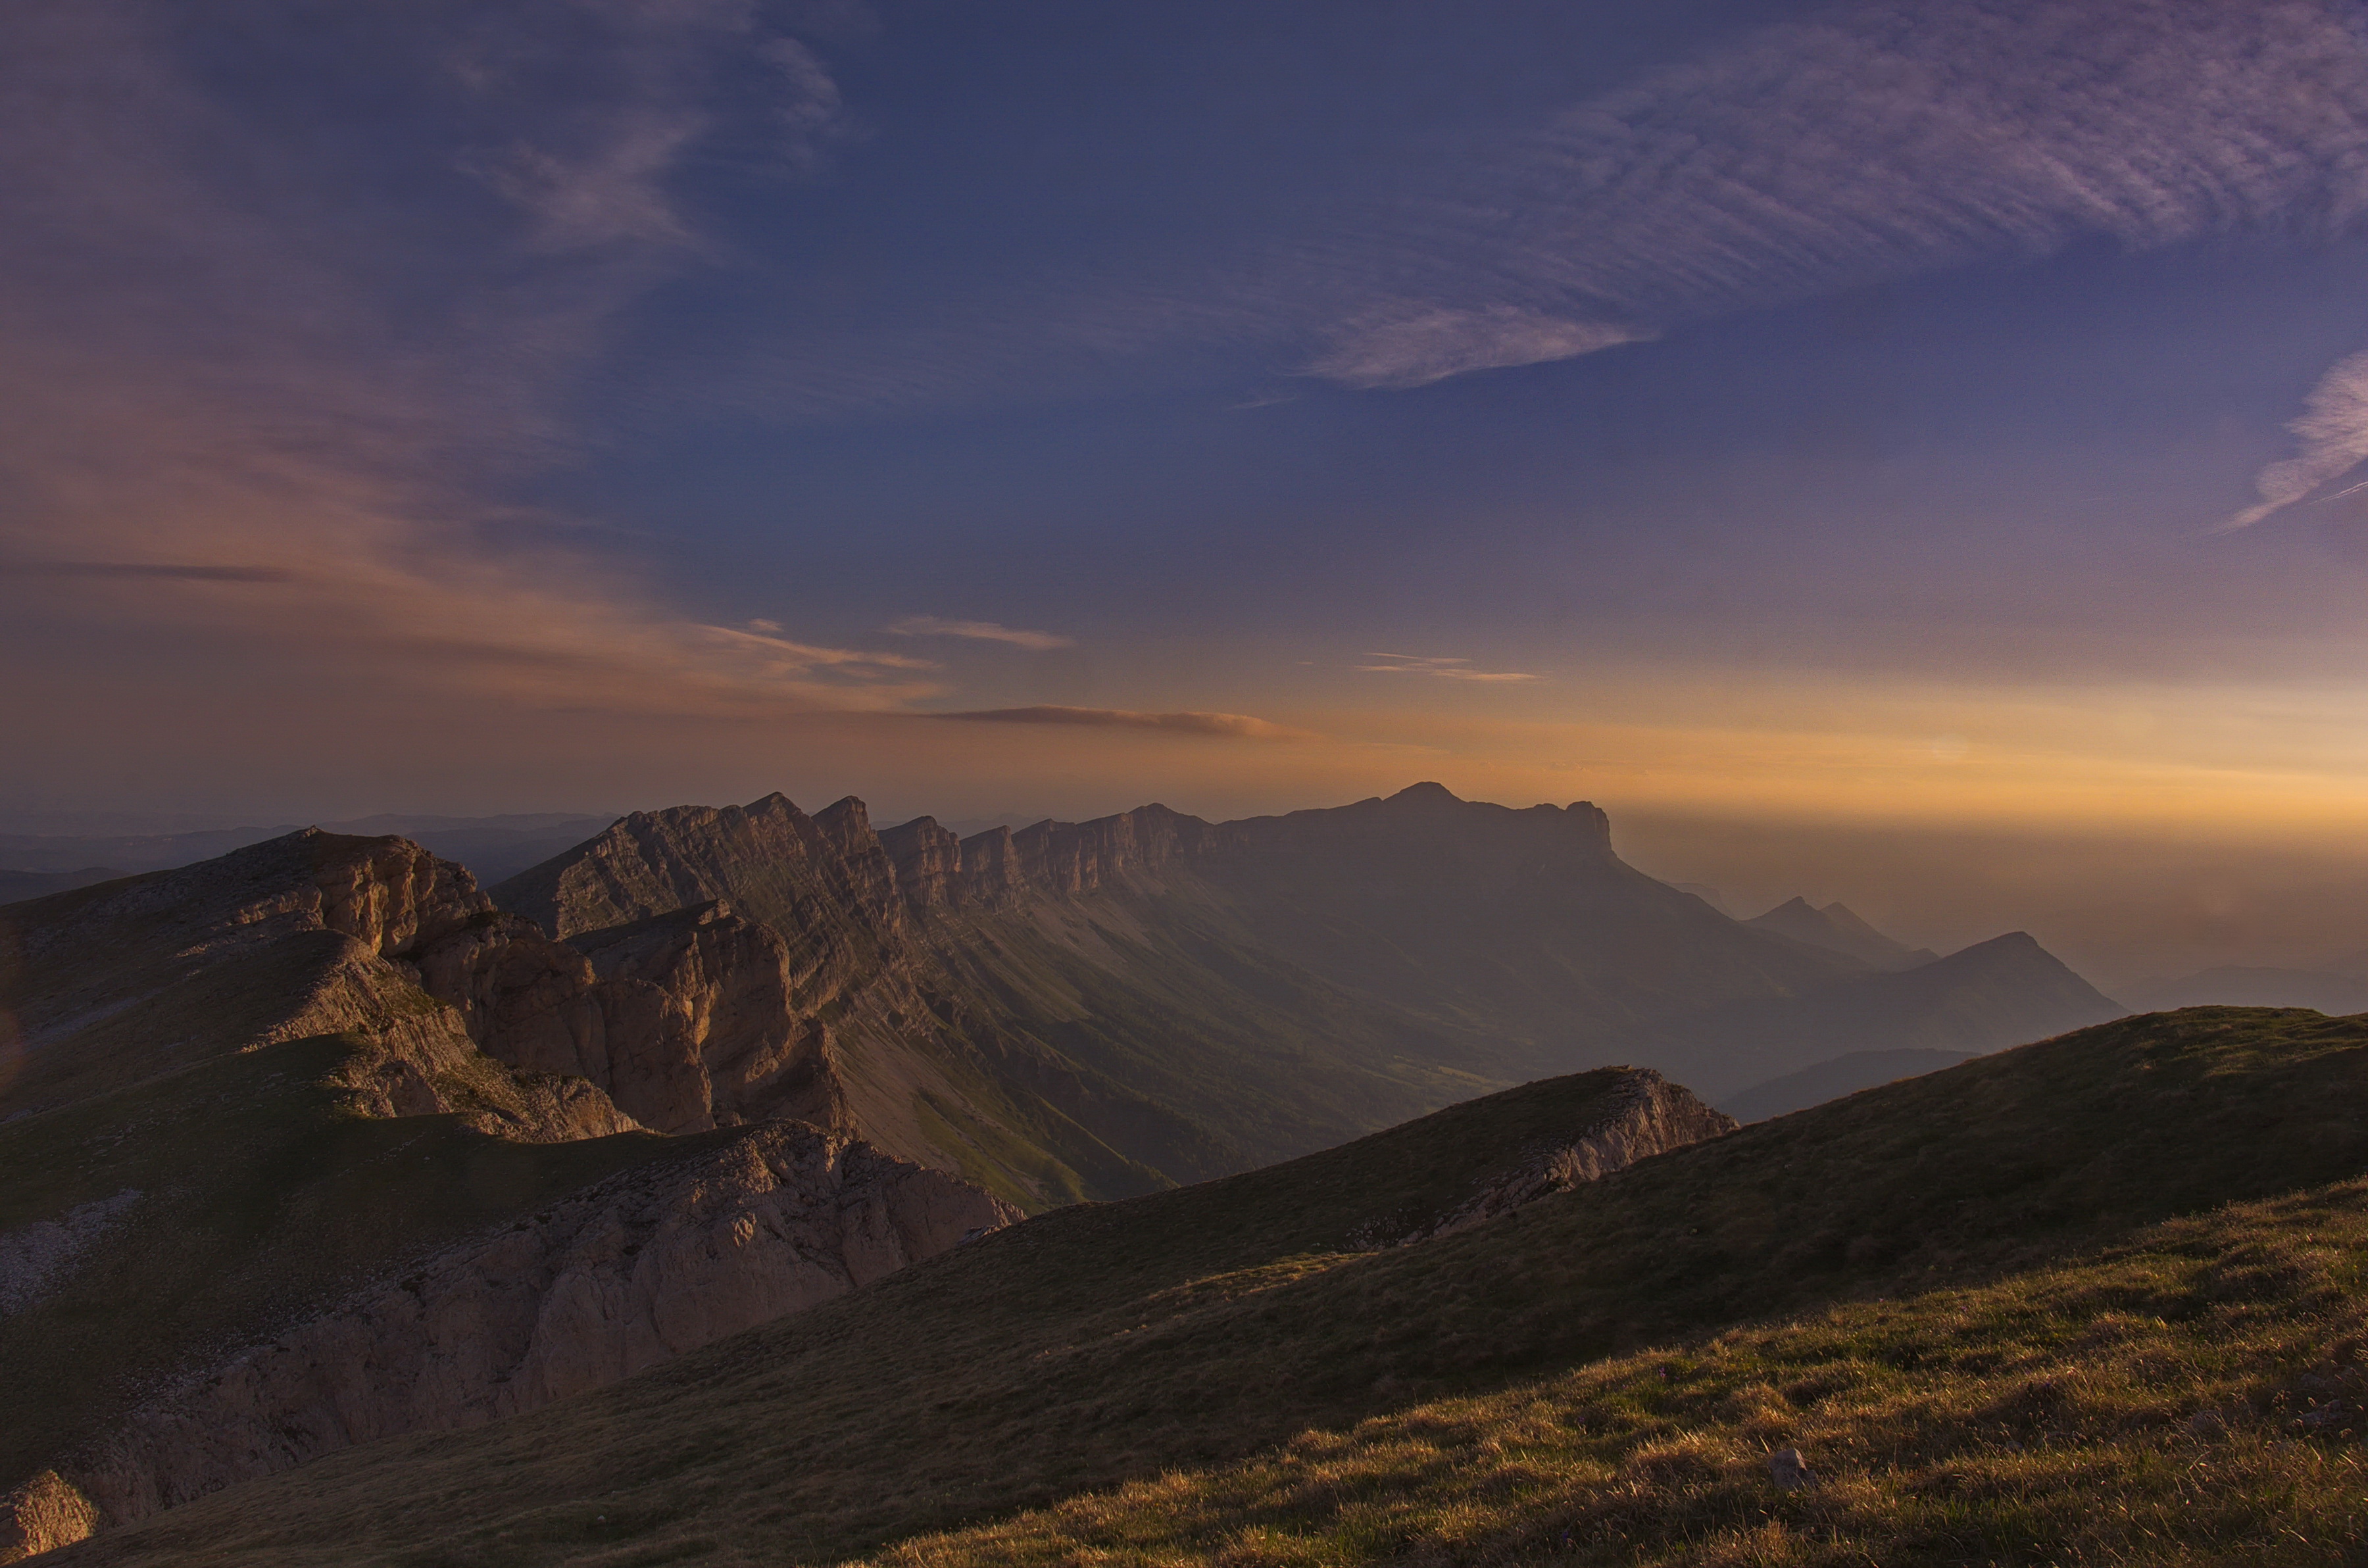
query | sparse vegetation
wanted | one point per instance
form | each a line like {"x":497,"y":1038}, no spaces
{"x":2196,"y":1396}
{"x":262,"y":1198}
{"x":1221,"y":1372}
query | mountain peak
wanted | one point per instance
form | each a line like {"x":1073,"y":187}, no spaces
{"x":1427,"y":793}
{"x":1838,"y":930}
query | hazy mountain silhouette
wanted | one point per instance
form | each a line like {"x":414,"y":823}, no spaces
{"x":1836,"y":930}
{"x":1830,"y":1080}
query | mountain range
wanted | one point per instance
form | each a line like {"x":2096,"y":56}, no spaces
{"x":315,"y":1143}
{"x":1099,"y":1009}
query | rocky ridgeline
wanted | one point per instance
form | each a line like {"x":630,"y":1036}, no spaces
{"x":328,"y":918}
{"x":706,"y":965}
{"x":834,"y":872}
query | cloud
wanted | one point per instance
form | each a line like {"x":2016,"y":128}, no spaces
{"x":1872,"y":141}
{"x":334,"y":385}
{"x":809,"y":107}
{"x":1414,"y":346}
{"x":1441,"y":668}
{"x":163,"y":572}
{"x":2333,"y":431}
{"x":978,"y":630}
{"x":1231,"y":726}
{"x":1884,"y":139}
{"x":614,"y":193}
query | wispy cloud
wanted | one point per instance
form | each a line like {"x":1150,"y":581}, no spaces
{"x":1411,"y":346}
{"x":977,"y":632}
{"x":1876,"y":141}
{"x":1230,"y":726}
{"x":1441,"y":669}
{"x":331,"y":407}
{"x":614,"y":192}
{"x":2333,"y":433}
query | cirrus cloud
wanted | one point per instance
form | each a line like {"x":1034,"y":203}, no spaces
{"x":1443,"y":668}
{"x":978,"y":632}
{"x":1228,"y":726}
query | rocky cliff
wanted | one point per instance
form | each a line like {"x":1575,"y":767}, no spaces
{"x":239,"y":1086}
{"x":619,"y":1276}
{"x":687,"y":1019}
{"x":298,"y":938}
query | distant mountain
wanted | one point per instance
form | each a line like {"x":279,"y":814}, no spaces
{"x":16,"y":885}
{"x":2337,"y":995}
{"x":1832,"y":1080}
{"x":2004,"y":992}
{"x":492,"y":847}
{"x":1836,"y":930}
{"x":1709,"y":895}
{"x":1098,"y":1008}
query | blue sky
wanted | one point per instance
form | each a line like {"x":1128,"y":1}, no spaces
{"x":1936,"y":415}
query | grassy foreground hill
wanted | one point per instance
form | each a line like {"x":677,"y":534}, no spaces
{"x":2027,"y":1330}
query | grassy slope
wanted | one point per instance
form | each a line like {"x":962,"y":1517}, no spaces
{"x":2193,"y":1396}
{"x":1101,"y":1346}
{"x":262,"y":1200}
{"x":1157,"y":994}
{"x":869,"y":1421}
{"x":263,"y":1196}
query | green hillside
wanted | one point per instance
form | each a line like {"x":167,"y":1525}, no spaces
{"x":261,"y":1198}
{"x":2195,"y":1395}
{"x":1238,"y":1322}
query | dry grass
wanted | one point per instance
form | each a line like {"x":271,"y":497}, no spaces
{"x":2195,"y":1397}
{"x":1104,"y":1347}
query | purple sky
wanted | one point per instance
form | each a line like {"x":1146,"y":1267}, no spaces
{"x":1913,"y":419}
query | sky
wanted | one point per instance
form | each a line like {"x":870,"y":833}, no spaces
{"x":1839,"y":438}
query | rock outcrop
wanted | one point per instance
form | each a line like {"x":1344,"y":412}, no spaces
{"x":297,"y":938}
{"x":34,"y":1255}
{"x":45,"y":1512}
{"x":616,"y":1278}
{"x":686,"y":1020}
{"x":1647,"y":1115}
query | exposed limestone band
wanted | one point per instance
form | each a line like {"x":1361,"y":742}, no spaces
{"x":619,"y":1276}
{"x":1647,"y":1115}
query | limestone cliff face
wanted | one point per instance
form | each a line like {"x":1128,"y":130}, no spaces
{"x":299,"y":936}
{"x":1483,"y":844}
{"x":832,"y":871}
{"x":686,"y":1020}
{"x":1647,"y":1115}
{"x":825,"y":881}
{"x":616,"y":1278}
